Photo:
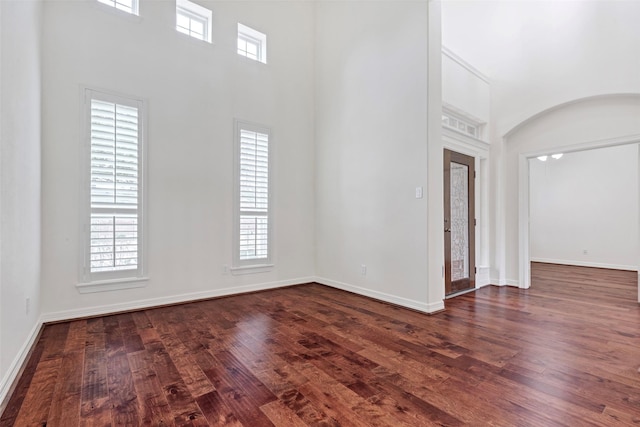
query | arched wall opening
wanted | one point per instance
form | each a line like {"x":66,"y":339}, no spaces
{"x":584,"y":124}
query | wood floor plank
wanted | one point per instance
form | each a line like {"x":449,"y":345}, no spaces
{"x":122,"y":394}
{"x":37,"y":403}
{"x":94,"y":406}
{"x":563,"y":353}
{"x":152,"y":404}
{"x":65,"y":402}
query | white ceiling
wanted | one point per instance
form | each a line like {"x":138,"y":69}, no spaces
{"x":539,"y":54}
{"x":500,"y":37}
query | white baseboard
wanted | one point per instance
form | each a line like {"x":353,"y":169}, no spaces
{"x":16,"y":365}
{"x":505,"y":282}
{"x":174,"y":299}
{"x":482,"y":277}
{"x":512,"y":282}
{"x":404,"y":302}
{"x":586,"y":264}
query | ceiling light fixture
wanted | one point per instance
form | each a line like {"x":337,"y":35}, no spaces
{"x":556,"y":156}
{"x":542,"y":158}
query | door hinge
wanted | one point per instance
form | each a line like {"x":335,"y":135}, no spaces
{"x":474,"y":175}
{"x":475,"y":270}
{"x":475,"y":222}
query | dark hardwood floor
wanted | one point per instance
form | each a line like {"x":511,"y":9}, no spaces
{"x":566,"y":352}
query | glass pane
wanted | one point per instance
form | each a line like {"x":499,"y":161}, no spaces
{"x":459,"y":221}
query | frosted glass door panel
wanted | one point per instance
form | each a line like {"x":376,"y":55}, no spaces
{"x":459,"y":221}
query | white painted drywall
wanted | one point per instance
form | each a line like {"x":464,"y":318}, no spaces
{"x":465,"y":90}
{"x":19,"y":180}
{"x":586,"y":201}
{"x":193,"y":91}
{"x":573,"y":125}
{"x":541,"y":55}
{"x":371,"y":148}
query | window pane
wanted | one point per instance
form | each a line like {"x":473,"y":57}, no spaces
{"x":114,"y":187}
{"x":197,"y":27}
{"x":193,"y":20}
{"x":251,"y":43}
{"x":114,"y":242}
{"x":253,"y":195}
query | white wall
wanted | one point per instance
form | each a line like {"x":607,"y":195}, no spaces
{"x":371,"y":145}
{"x":586,"y":200}
{"x":540,"y":55}
{"x":465,"y":89}
{"x":19,"y":181}
{"x":193,"y":90}
{"x":568,"y":127}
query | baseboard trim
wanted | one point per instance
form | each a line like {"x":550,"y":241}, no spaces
{"x":61,"y":316}
{"x":586,"y":264}
{"x":381,"y":296}
{"x":10,"y":380}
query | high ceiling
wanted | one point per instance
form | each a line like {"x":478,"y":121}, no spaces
{"x":502,"y":36}
{"x":539,"y":54}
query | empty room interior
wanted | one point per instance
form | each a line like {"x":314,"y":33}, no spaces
{"x":323,"y":213}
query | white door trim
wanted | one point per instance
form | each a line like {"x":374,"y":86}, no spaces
{"x":523,"y":197}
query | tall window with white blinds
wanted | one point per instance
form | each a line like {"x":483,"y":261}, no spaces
{"x":115,"y":187}
{"x":253,"y":190}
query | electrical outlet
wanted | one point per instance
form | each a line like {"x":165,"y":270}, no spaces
{"x":363,"y":270}
{"x":225,"y":269}
{"x":585,"y":252}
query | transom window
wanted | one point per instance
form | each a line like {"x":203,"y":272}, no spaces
{"x":129,"y":6}
{"x":252,"y":43}
{"x":460,"y":124}
{"x":193,"y":20}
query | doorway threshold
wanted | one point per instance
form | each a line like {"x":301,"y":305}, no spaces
{"x":456,"y":294}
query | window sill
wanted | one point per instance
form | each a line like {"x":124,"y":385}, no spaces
{"x":251,"y":269}
{"x":112,"y":285}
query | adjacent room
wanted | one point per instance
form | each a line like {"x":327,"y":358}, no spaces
{"x":291,"y":213}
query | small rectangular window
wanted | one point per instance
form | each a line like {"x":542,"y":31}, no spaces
{"x":114,"y":229}
{"x":193,"y":20}
{"x":252,"y":43}
{"x":460,"y":124}
{"x":129,"y":6}
{"x":252,"y":195}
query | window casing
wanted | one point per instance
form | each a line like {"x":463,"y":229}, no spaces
{"x":461,"y":124}
{"x":129,"y":6}
{"x":193,"y":20}
{"x":252,"y":43}
{"x":253,"y":188}
{"x":113,"y":248}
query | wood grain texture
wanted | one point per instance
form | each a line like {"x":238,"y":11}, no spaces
{"x":564,"y":353}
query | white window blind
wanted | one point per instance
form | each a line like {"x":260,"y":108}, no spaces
{"x":129,"y":6}
{"x":253,"y":230}
{"x":114,"y":187}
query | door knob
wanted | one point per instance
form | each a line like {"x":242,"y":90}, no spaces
{"x":447,"y":230}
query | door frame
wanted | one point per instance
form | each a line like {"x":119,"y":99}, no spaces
{"x":524,"y":257}
{"x":479,"y":150}
{"x":451,"y":157}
